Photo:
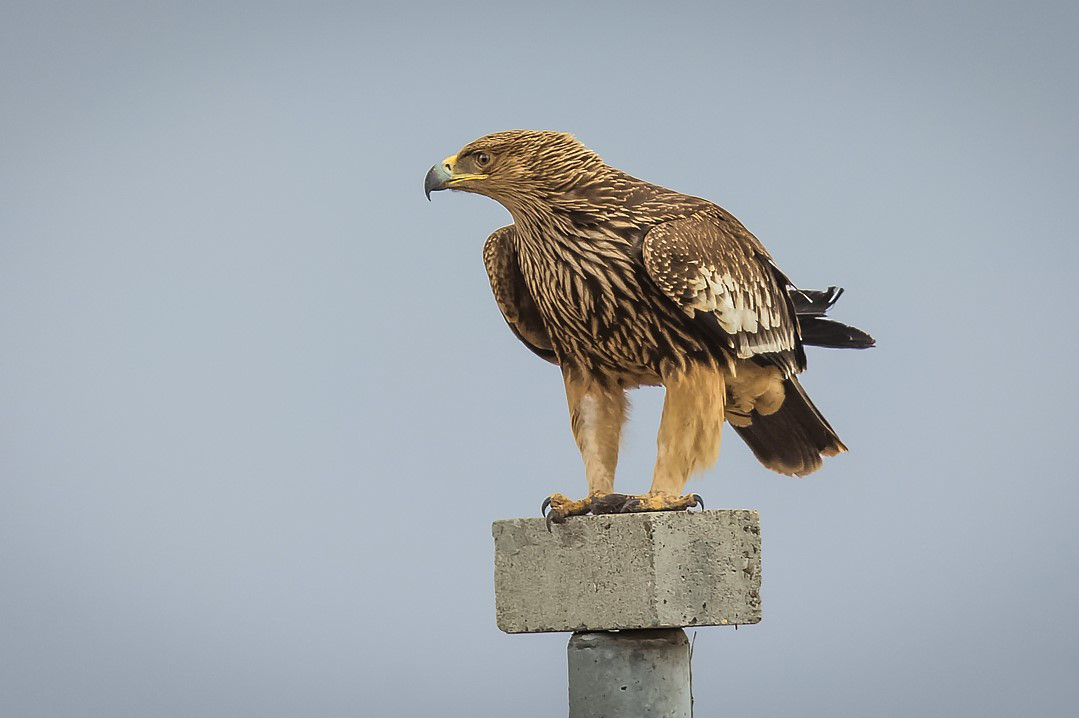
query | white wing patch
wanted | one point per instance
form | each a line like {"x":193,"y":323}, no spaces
{"x":709,"y":263}
{"x":720,"y":294}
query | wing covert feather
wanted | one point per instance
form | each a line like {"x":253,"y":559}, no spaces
{"x":715,"y":270}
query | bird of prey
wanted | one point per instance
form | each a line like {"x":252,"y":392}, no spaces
{"x":623,"y":284}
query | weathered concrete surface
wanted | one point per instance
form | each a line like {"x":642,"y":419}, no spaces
{"x":628,"y":571}
{"x":629,"y":674}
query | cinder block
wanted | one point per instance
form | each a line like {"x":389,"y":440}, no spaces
{"x":628,"y":571}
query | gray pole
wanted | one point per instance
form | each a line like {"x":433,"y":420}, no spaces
{"x":630,"y":674}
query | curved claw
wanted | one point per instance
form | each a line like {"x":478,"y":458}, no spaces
{"x":543,"y":510}
{"x":699,"y":501}
{"x":550,"y":520}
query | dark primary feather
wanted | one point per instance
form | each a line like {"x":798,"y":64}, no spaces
{"x":814,"y":302}
{"x":811,"y":306}
{"x":819,"y":332}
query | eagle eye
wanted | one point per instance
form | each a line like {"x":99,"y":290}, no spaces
{"x":483,"y":159}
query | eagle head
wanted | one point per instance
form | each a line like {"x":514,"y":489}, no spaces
{"x":515,"y":167}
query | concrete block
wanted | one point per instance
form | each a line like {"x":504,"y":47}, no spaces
{"x":628,"y":571}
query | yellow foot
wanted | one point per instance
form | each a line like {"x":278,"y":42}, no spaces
{"x":659,"y":502}
{"x":562,"y":507}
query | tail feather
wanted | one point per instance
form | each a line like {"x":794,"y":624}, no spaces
{"x":795,"y":438}
{"x":811,"y":306}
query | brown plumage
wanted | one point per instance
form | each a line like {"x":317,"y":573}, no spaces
{"x":622,"y":283}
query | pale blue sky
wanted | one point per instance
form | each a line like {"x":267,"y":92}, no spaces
{"x":258,"y":409}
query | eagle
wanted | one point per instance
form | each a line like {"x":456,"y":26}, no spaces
{"x":623,"y":284}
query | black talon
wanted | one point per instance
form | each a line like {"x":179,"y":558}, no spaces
{"x":550,"y":520}
{"x":543,"y":509}
{"x":699,"y":500}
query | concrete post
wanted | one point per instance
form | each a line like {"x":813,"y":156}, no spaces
{"x":626,"y":585}
{"x":630,"y":673}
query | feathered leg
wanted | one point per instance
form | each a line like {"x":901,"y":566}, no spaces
{"x":689,"y":435}
{"x":597,"y":413}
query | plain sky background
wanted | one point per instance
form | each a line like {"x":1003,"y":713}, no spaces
{"x":258,"y":408}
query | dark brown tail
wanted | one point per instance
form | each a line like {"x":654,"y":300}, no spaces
{"x":793,"y":440}
{"x":817,"y":331}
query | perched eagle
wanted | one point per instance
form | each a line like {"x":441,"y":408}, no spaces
{"x":622,"y":284}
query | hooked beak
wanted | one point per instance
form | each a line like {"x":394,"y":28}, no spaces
{"x":442,"y":176}
{"x":438,"y":177}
